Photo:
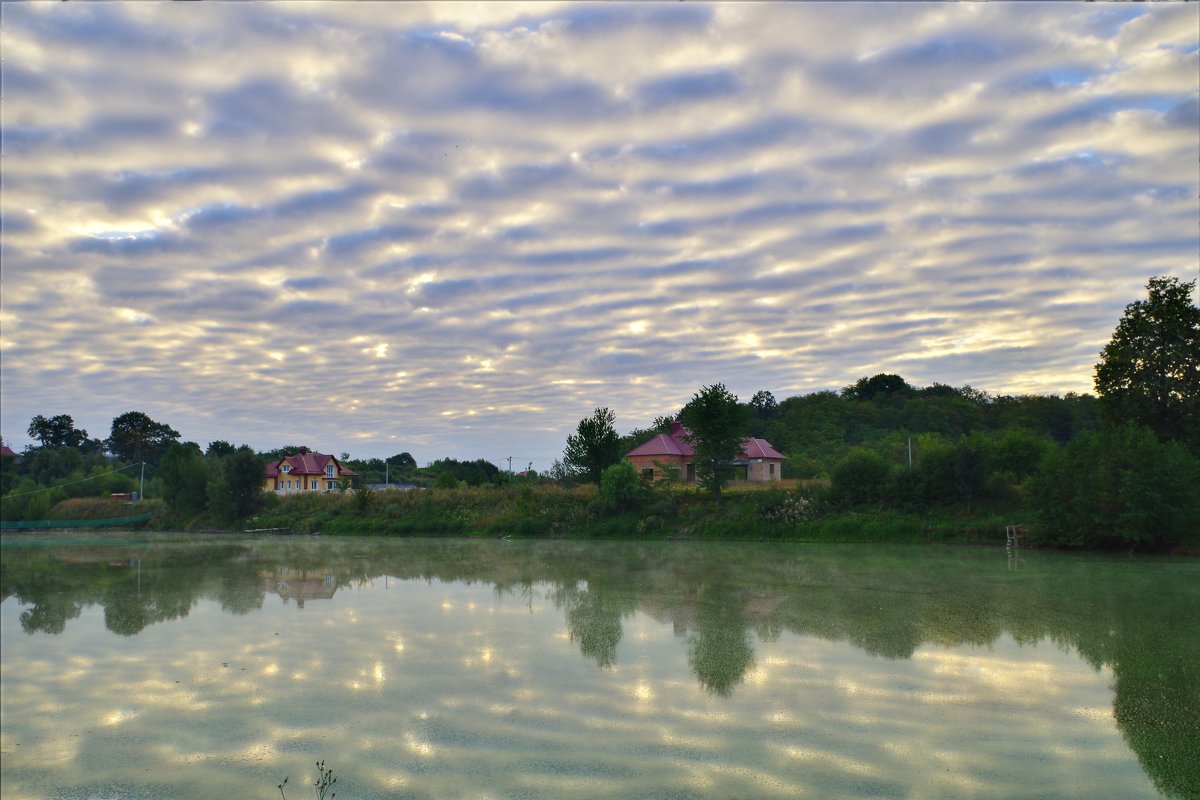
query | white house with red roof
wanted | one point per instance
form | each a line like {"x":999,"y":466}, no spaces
{"x":757,"y":462}
{"x":305,"y":471}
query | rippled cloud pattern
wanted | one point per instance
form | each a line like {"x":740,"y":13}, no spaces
{"x":456,"y":229}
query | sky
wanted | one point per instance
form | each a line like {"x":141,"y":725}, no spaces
{"x":457,"y":229}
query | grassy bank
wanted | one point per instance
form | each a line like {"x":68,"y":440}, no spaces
{"x":791,"y":511}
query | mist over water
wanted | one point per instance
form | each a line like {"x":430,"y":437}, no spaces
{"x":481,"y":669}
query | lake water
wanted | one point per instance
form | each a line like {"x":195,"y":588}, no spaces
{"x":186,"y":668}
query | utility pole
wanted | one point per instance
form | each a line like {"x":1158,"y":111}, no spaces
{"x":510,"y":465}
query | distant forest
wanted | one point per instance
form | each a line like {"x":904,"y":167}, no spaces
{"x":884,"y":413}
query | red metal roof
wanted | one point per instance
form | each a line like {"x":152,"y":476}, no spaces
{"x":672,"y":443}
{"x":307,"y":462}
{"x":759,"y":448}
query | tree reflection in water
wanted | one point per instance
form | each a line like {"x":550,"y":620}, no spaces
{"x":719,"y":649}
{"x":593,"y":620}
{"x":1136,"y":617}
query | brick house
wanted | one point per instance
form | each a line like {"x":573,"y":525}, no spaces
{"x":758,"y":462}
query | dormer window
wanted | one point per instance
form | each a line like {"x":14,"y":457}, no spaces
{"x":329,"y":471}
{"x":287,"y":468}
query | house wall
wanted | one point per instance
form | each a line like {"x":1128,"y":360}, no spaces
{"x":280,"y":484}
{"x":763,"y":470}
{"x":643,"y":463}
{"x":758,"y":471}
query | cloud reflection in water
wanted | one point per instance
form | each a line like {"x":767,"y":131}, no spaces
{"x":556,"y":670}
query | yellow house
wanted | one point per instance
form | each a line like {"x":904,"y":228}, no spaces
{"x":305,"y":471}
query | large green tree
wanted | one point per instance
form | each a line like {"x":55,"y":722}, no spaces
{"x":244,"y":478}
{"x":235,"y":485}
{"x":219,"y":449}
{"x":1149,"y":373}
{"x":184,"y":477}
{"x":136,"y":437}
{"x":58,"y":431}
{"x":716,"y":424}
{"x":594,"y":446}
{"x":881,"y":386}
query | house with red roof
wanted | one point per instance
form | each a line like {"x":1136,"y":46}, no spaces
{"x":306,"y":471}
{"x":757,"y":462}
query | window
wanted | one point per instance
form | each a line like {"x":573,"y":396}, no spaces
{"x":329,"y":471}
{"x":772,"y":470}
{"x":314,"y":485}
{"x":287,"y":468}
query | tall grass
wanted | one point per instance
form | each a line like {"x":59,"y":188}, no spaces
{"x":779,"y":511}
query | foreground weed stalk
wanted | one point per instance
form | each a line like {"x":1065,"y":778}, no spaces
{"x":325,"y":780}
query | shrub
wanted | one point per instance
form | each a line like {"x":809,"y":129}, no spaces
{"x":1018,"y":453}
{"x":860,"y":479}
{"x":802,"y":468}
{"x":363,"y":499}
{"x":89,"y":508}
{"x":789,"y":508}
{"x":621,"y":488}
{"x":1120,"y":486}
{"x":950,"y":473}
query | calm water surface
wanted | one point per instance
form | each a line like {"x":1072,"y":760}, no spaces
{"x":486,"y":669}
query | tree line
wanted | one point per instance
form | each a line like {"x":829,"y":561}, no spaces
{"x":1119,"y":466}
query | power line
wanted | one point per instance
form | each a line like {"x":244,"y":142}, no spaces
{"x":72,"y":483}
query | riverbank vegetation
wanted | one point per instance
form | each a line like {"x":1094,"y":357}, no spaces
{"x":961,"y":492}
{"x":881,"y":459}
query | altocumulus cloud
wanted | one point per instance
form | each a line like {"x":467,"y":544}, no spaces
{"x":456,"y":230}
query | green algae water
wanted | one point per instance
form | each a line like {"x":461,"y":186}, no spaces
{"x":177,"y":668}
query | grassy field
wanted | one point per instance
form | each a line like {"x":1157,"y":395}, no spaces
{"x":789,"y":510}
